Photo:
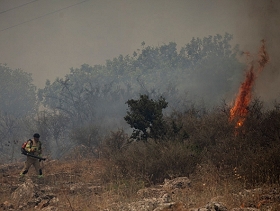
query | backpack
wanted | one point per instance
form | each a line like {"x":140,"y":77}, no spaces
{"x":23,"y":151}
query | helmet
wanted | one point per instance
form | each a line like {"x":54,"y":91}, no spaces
{"x":36,"y":135}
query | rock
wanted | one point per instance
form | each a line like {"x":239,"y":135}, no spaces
{"x":171,"y":207}
{"x":166,"y":198}
{"x":179,"y":182}
{"x":165,"y":207}
{"x":211,"y":206}
{"x":151,"y":192}
{"x":43,"y":203}
{"x":143,"y":205}
{"x":152,"y":204}
{"x":216,"y":206}
{"x":50,"y":208}
{"x":23,"y":193}
{"x":6,"y":206}
{"x":245,"y":209}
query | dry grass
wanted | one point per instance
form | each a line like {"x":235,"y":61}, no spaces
{"x":206,"y":186}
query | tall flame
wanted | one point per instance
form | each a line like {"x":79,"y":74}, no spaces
{"x":240,"y":109}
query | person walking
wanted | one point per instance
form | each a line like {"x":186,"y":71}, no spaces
{"x":33,"y":147}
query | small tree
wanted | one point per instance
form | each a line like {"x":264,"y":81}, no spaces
{"x":146,"y":118}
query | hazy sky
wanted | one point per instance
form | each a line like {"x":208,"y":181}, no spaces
{"x":48,"y":37}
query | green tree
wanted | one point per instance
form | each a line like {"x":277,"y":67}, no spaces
{"x":146,"y":118}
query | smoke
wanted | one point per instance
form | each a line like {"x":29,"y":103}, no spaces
{"x":262,"y":22}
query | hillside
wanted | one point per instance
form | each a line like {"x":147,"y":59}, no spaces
{"x":79,"y":186}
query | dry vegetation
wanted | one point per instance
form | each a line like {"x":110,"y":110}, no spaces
{"x":80,"y":185}
{"x":236,"y":166}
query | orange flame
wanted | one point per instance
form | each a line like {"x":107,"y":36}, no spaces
{"x":240,"y":109}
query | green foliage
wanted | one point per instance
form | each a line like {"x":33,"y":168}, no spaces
{"x":146,"y":118}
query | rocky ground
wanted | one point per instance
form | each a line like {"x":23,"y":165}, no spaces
{"x":76,"y":186}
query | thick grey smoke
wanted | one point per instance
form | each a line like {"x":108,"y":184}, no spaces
{"x":94,"y":31}
{"x":261,"y":20}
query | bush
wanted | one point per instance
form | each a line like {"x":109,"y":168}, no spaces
{"x":152,"y":162}
{"x":146,"y":118}
{"x":86,"y":139}
{"x":249,"y":153}
{"x":113,"y":144}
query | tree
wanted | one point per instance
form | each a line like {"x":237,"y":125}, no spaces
{"x":146,"y":118}
{"x":17,"y":102}
{"x":214,"y":68}
{"x":17,"y":93}
{"x":76,"y":96}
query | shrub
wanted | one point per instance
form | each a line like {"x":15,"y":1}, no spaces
{"x":146,"y":118}
{"x":153,"y":162}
